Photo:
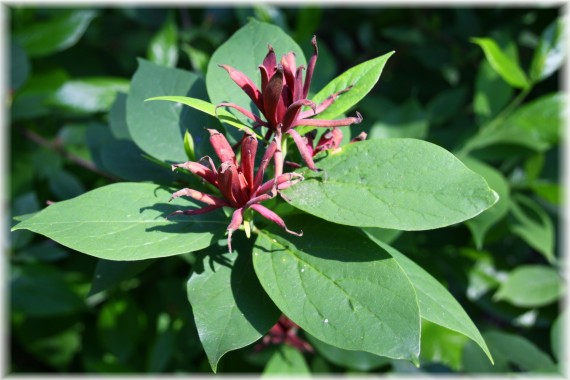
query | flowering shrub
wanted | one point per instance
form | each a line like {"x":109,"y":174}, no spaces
{"x":286,"y":216}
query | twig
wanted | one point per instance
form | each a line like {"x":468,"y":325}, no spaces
{"x":58,"y":148}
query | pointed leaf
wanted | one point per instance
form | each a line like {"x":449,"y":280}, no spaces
{"x":340,"y":288}
{"x":163,"y":49}
{"x":402,"y":184}
{"x":126,"y":221}
{"x":437,"y":305}
{"x":286,"y":361}
{"x":158,"y":128}
{"x":362,"y":77}
{"x":531,"y":286}
{"x":508,"y":68}
{"x":550,"y":52}
{"x":230,"y":308}
{"x":491,"y":93}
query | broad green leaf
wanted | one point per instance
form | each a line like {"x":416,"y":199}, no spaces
{"x":491,"y":93}
{"x":126,"y":221}
{"x":531,"y":286}
{"x":65,"y":185}
{"x":507,"y":68}
{"x":286,"y":361}
{"x":44,"y":251}
{"x":506,"y":348}
{"x":556,"y":332}
{"x":357,"y":360}
{"x":446,"y":104}
{"x":109,"y":274}
{"x":550,"y":53}
{"x":407,"y":120}
{"x":88,"y":95}
{"x":533,"y":225}
{"x":551,"y":192}
{"x":402,"y":184}
{"x":156,"y":127}
{"x":120,"y":326}
{"x":362,"y":78}
{"x":441,"y":345}
{"x":39,"y":290}
{"x":488,"y":218}
{"x":342,"y":289}
{"x":245,"y":51}
{"x":210,"y":109}
{"x":118,"y":118}
{"x":19,"y":66}
{"x":58,"y":33}
{"x":24,"y":204}
{"x":230,"y":308}
{"x":163,"y":49}
{"x":436,"y":304}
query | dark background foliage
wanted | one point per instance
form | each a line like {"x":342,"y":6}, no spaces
{"x":58,"y":323}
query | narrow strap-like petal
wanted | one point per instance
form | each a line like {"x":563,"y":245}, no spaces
{"x":361,"y":137}
{"x":289,"y":69}
{"x":270,"y":215}
{"x":311,"y":67}
{"x":221,"y":146}
{"x":329,"y":140}
{"x":200,"y":170}
{"x":298,"y":91}
{"x":270,"y":61}
{"x":267,"y":156}
{"x":306,"y":154}
{"x":197,"y":211}
{"x":282,"y":182}
{"x":248,"y":151}
{"x":324,"y":105}
{"x":244,"y":111}
{"x":199,"y":196}
{"x":237,"y":220}
{"x":245,"y":84}
{"x":328,"y":123}
{"x":229,"y":184}
{"x":272,"y":95}
{"x":294,"y":110}
{"x":264,"y":78}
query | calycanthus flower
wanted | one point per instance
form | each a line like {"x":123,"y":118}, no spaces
{"x":240,"y":187}
{"x":281,"y":98}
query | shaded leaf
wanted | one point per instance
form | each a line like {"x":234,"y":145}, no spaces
{"x":402,"y":184}
{"x":109,"y":274}
{"x":407,"y":120}
{"x":126,"y":221}
{"x":163,"y":49}
{"x":286,"y":361}
{"x":491,"y":93}
{"x":507,"y":68}
{"x":446,"y":104}
{"x":230,"y":308}
{"x":531,"y":286}
{"x":65,"y":185}
{"x":19,"y":66}
{"x":340,"y":288}
{"x":118,"y":118}
{"x":46,"y":37}
{"x":30,"y":100}
{"x":556,"y":332}
{"x":441,"y":345}
{"x":533,"y":225}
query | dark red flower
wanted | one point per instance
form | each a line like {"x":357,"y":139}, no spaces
{"x":282,"y":96}
{"x":284,"y":332}
{"x":240,"y":187}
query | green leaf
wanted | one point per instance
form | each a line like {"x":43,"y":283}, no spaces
{"x":109,"y":274}
{"x":436,"y":304}
{"x":491,"y":93}
{"x":120,"y":326}
{"x":65,"y":185}
{"x":480,"y":225}
{"x":402,"y":184}
{"x":198,"y":58}
{"x":118,"y":118}
{"x":506,"y":67}
{"x":245,"y":51}
{"x":342,"y":289}
{"x":385,"y":235}
{"x":158,"y":128}
{"x":531,"y":286}
{"x":230,"y":308}
{"x":163,"y":49}
{"x":556,"y":332}
{"x":24,"y":204}
{"x":286,"y":361}
{"x":39,"y":290}
{"x":210,"y":109}
{"x":506,"y":348}
{"x":357,"y":360}
{"x":446,"y":104}
{"x":88,"y":95}
{"x":19,"y":66}
{"x":362,"y":77}
{"x":408,"y":120}
{"x":126,"y":221}
{"x":441,"y":345}
{"x":533,"y":225}
{"x":550,"y":53}
{"x":46,"y":37}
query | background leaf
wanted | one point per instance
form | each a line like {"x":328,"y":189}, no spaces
{"x":346,"y":283}
{"x":109,"y":274}
{"x":230,"y":307}
{"x":407,"y":120}
{"x":163,"y":49}
{"x":531,"y":286}
{"x":286,"y":361}
{"x":507,"y":68}
{"x":126,"y":221}
{"x":401,"y":181}
{"x":550,"y":52}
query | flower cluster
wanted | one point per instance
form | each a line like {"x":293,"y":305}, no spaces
{"x":284,"y":332}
